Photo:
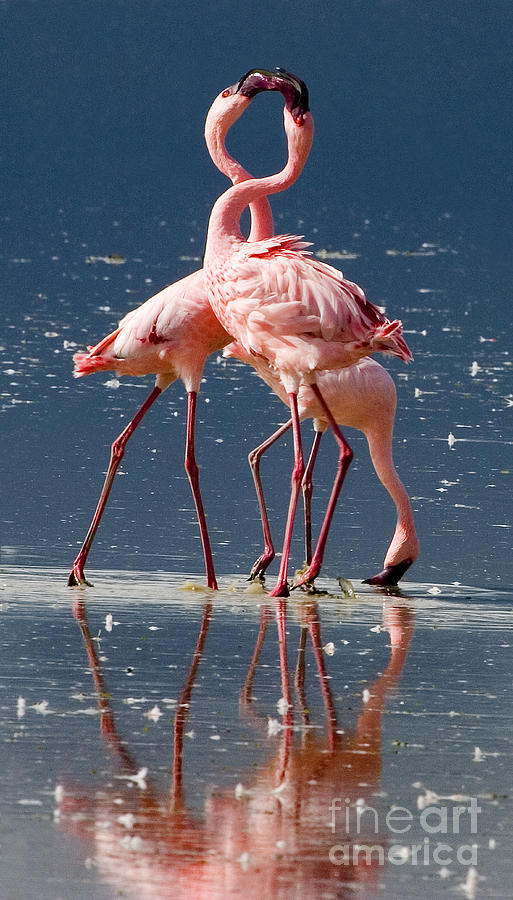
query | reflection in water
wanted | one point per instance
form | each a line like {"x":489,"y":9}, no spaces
{"x":274,"y":833}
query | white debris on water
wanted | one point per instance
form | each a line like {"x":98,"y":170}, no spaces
{"x":329,"y":648}
{"x":469,"y":886}
{"x":282,"y":706}
{"x":241,"y":791}
{"x":366,"y":695}
{"x":244,"y":860}
{"x":139,"y":779}
{"x":154,"y":714}
{"x":478,"y":755}
{"x":20,"y":707}
{"x":132,"y":843}
{"x":273,"y":727}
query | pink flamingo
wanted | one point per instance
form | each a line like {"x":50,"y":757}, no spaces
{"x":362,"y":396}
{"x":295,"y":312}
{"x":172,"y":333}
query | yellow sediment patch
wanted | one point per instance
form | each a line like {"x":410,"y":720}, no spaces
{"x":255,"y":587}
{"x":193,"y":586}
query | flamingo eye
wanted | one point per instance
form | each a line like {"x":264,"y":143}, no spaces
{"x":299,"y":120}
{"x":226,"y":93}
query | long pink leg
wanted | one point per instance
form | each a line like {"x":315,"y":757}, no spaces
{"x":299,"y":675}
{"x":281,"y":587}
{"x":116,"y":455}
{"x":307,"y":495}
{"x":245,"y":694}
{"x":265,"y":559}
{"x":344,"y":461}
{"x":331,"y":713}
{"x":183,"y":708}
{"x":107,"y":724}
{"x":281,"y":622}
{"x":192,"y":471}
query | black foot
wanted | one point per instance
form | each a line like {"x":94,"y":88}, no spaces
{"x":76,"y":581}
{"x":256,"y":576}
{"x":390,"y":575}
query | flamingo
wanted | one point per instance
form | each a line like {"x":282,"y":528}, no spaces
{"x":172,"y":333}
{"x":362,"y":396}
{"x":300,"y":315}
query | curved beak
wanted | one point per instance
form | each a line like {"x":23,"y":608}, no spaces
{"x":294,"y":90}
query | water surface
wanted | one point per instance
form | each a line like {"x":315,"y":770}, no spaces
{"x":154,"y":745}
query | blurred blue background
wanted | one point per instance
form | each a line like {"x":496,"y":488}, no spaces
{"x":410,"y":173}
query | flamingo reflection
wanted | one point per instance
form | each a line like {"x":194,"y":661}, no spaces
{"x":272,"y":834}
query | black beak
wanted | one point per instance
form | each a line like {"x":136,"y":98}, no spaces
{"x":294,"y":90}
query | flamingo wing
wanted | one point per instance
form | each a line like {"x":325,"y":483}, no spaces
{"x":277,"y":289}
{"x":161,"y":317}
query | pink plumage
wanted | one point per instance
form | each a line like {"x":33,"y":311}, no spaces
{"x":170,"y":336}
{"x":361,"y":396}
{"x":298,"y":314}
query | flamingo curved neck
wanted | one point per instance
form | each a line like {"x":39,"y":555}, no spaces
{"x":224,"y":225}
{"x":262,"y":223}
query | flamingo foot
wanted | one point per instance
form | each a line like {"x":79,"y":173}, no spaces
{"x":77,"y":577}
{"x":390,"y":575}
{"x":256,"y":578}
{"x":280,"y":590}
{"x":305,"y":578}
{"x":309,"y":588}
{"x":260,"y":566}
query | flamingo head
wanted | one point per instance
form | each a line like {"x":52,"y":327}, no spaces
{"x":298,"y":118}
{"x":231,"y":103}
{"x":294,"y":90}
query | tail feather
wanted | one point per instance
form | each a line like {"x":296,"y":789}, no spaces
{"x":85,"y":364}
{"x":98,"y":349}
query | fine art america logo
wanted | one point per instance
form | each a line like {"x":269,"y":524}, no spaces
{"x":437,"y":824}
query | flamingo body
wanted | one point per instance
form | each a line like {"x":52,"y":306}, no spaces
{"x":362,"y":396}
{"x":170,"y":336}
{"x":299,"y":314}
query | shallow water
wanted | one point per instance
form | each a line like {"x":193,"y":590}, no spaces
{"x":107,"y":189}
{"x":148,"y":749}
